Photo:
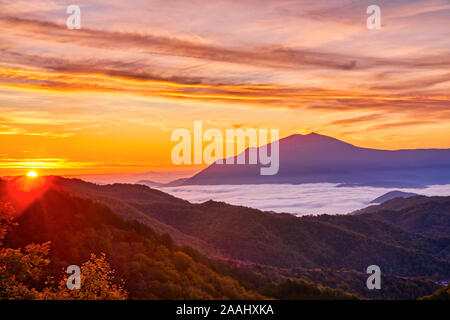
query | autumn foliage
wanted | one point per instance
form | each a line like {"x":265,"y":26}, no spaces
{"x":77,"y":231}
{"x":23,"y":272}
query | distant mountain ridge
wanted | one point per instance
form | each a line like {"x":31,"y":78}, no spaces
{"x":316,"y":158}
{"x":392,"y":195}
{"x":429,"y":216}
{"x":151,"y":266}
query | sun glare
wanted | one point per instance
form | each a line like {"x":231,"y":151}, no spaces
{"x":32,"y":174}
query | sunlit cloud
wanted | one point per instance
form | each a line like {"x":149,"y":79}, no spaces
{"x":42,"y":164}
{"x":316,"y":198}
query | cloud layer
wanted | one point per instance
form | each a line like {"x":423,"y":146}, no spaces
{"x":320,"y":198}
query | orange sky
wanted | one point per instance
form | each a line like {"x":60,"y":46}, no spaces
{"x":105,"y":99}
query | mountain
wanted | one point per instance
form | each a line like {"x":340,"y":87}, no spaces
{"x":392,"y":195}
{"x":126,"y":199}
{"x":280,"y":240}
{"x":153,"y":184}
{"x":317,"y":158}
{"x":149,"y":263}
{"x":429,"y":216}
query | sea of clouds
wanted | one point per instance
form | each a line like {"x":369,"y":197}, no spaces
{"x":317,"y":198}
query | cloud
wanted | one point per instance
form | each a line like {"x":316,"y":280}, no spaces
{"x":141,"y":67}
{"x":409,"y":84}
{"x":274,"y":56}
{"x":401,"y":124}
{"x":42,"y":164}
{"x":277,"y":57}
{"x":364,"y":118}
{"x":90,"y":76}
{"x":190,"y":68}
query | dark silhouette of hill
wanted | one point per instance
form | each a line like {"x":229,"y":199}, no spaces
{"x":153,"y":184}
{"x":126,"y":199}
{"x":429,"y":216}
{"x":392,"y":195}
{"x":152,"y":266}
{"x":281,"y":240}
{"x":316,"y":158}
{"x":353,"y":281}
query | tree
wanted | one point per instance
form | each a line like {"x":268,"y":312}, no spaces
{"x":97,"y":283}
{"x":6,"y":219}
{"x":22,"y":272}
{"x":21,"y":269}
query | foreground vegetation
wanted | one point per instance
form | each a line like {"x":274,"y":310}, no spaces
{"x":118,"y":259}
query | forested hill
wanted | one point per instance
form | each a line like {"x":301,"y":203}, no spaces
{"x":151,"y":265}
{"x":281,"y":240}
{"x":429,"y":216}
{"x":58,"y":229}
{"x":315,"y":158}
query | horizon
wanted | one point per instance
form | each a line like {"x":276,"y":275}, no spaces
{"x":165,"y":174}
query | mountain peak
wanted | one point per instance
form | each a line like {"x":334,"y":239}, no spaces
{"x":312,"y":139}
{"x":309,"y":136}
{"x":392,"y":195}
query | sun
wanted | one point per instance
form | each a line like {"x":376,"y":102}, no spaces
{"x":32,"y":174}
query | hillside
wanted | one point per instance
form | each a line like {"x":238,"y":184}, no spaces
{"x":389,"y":233}
{"x":429,"y":216}
{"x":317,"y":158}
{"x":282,"y":240}
{"x":149,"y":265}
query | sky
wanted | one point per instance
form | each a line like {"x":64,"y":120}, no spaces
{"x":105,"y":98}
